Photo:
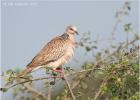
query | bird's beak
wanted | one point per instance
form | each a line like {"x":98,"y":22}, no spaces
{"x":76,"y":32}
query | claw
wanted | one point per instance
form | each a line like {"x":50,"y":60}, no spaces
{"x":59,"y":71}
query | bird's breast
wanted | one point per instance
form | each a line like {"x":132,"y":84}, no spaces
{"x":66,"y":57}
{"x":68,"y":54}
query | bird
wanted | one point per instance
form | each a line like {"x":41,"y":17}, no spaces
{"x":55,"y":53}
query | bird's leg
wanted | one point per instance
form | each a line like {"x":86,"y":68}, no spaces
{"x":59,"y":70}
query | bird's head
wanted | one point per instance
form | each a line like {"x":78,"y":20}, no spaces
{"x":71,"y":30}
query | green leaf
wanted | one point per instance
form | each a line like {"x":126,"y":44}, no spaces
{"x":81,"y":44}
{"x":89,"y":98}
{"x":87,"y":49}
{"x":4,"y":89}
{"x":58,"y":98}
{"x":46,"y":84}
{"x":87,"y":66}
{"x":9,"y":71}
{"x":15,"y":91}
{"x":78,"y":94}
{"x":54,"y":73}
{"x":127,"y":27}
{"x":115,"y":98}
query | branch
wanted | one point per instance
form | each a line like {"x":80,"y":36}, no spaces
{"x":71,"y":92}
{"x":123,"y":46}
{"x":106,"y":58}
{"x":49,"y":92}
{"x":36,"y":79}
{"x":99,"y":92}
{"x":43,"y":78}
{"x":109,"y":74}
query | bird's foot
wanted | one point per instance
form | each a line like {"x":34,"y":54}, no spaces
{"x":59,"y":70}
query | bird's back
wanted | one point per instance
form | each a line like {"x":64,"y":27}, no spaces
{"x":56,"y":53}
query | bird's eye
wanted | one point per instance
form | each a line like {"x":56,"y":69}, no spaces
{"x":71,"y":29}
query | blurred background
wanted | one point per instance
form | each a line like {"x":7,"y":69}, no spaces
{"x":28,"y":25}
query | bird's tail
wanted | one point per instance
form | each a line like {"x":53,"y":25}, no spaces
{"x":25,"y":72}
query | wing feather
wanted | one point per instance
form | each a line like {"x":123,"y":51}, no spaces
{"x":52,"y":51}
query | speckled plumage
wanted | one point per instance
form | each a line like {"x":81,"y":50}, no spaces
{"x":55,"y":53}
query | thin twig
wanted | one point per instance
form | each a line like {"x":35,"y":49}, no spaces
{"x":71,"y":92}
{"x":36,"y":79}
{"x":99,"y":92}
{"x":49,"y":92}
{"x":123,"y":46}
{"x":115,"y":27}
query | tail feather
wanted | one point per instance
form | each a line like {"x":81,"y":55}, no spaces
{"x":25,"y":72}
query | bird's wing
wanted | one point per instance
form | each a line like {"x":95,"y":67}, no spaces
{"x":54,"y":50}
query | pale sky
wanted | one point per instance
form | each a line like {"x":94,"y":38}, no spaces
{"x":28,"y":24}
